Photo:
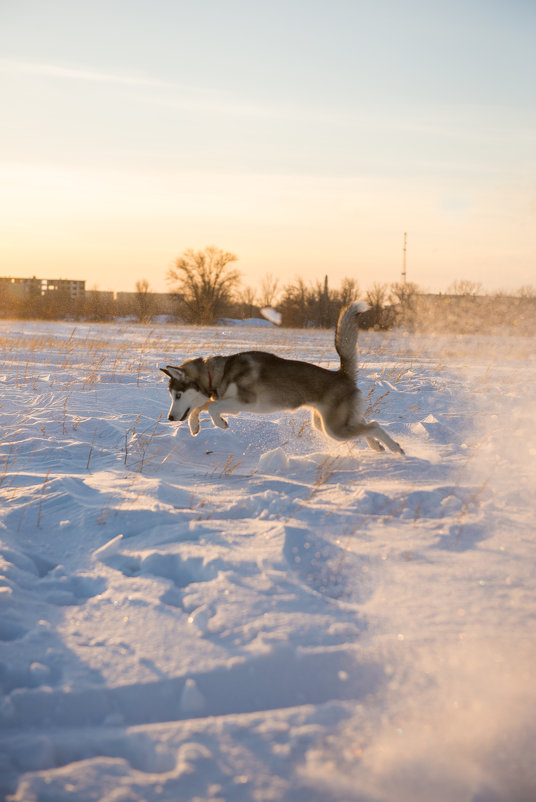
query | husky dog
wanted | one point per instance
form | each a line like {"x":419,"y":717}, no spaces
{"x":256,"y":381}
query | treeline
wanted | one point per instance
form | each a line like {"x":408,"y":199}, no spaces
{"x":205,"y":287}
{"x":209,"y":287}
{"x":464,"y":308}
{"x":29,"y":304}
{"x":303,"y":304}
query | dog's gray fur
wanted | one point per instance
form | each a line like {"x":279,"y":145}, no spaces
{"x":256,"y":381}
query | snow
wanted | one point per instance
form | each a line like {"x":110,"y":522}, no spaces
{"x":261,"y":613}
{"x":272,"y":315}
{"x":249,"y":321}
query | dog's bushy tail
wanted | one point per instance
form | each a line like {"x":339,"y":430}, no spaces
{"x":346,"y":337}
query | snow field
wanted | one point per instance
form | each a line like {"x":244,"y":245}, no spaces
{"x":261,"y":613}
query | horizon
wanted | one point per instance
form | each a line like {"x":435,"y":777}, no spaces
{"x":457,"y":288}
{"x":305,"y":139}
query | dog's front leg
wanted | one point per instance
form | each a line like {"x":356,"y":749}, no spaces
{"x":225,"y":405}
{"x":193,"y":420}
{"x":217,"y":419}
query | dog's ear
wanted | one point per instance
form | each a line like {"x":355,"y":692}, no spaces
{"x":173,"y":373}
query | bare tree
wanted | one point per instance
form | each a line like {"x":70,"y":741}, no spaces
{"x":377,"y":295}
{"x":323,"y":298}
{"x":465,"y":287}
{"x":206,"y":282}
{"x":349,"y":291}
{"x":376,"y":298}
{"x":98,"y":305}
{"x":403,"y":296}
{"x":315,"y":304}
{"x":295,"y":303}
{"x":247,"y":302}
{"x":269,"y":290}
{"x":403,"y":292}
{"x":527,"y":291}
{"x":143,"y":305}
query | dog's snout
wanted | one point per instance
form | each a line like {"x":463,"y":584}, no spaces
{"x":170,"y":417}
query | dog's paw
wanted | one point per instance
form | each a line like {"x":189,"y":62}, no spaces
{"x":374,"y":444}
{"x":395,"y":447}
{"x":193,"y":423}
{"x":220,"y":422}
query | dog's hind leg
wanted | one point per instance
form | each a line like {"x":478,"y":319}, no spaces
{"x":375,"y":436}
{"x":374,"y":444}
{"x":373,"y":433}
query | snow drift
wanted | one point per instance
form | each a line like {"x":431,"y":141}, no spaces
{"x":260,"y":613}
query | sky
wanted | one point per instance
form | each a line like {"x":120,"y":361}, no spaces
{"x":304,"y":137}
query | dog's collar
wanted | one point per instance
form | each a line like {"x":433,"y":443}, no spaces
{"x":209,"y":382}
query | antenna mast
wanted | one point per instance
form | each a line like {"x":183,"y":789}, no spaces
{"x":404,"y":258}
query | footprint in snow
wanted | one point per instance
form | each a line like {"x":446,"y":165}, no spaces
{"x":328,"y":568}
{"x":11,"y":628}
{"x":165,"y":564}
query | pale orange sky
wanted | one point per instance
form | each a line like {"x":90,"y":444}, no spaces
{"x":304,"y":137}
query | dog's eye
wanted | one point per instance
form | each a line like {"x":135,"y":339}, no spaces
{"x":177,"y":396}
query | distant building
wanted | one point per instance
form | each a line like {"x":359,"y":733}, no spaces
{"x":71,"y":287}
{"x":60,"y":298}
{"x":20,"y":288}
{"x":100,"y":295}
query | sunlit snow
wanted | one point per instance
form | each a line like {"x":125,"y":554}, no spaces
{"x":261,"y":613}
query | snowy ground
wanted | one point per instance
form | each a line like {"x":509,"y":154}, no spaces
{"x":260,"y":613}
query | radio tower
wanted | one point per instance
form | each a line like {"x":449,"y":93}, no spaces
{"x":404,"y":258}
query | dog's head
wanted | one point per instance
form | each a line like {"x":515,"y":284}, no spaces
{"x":186,"y":394}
